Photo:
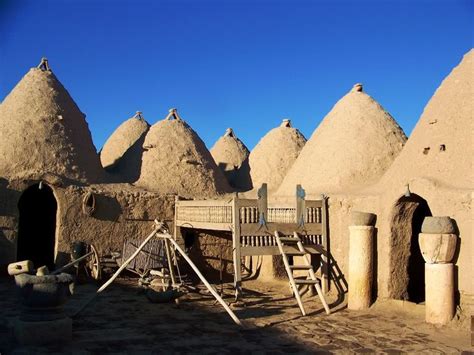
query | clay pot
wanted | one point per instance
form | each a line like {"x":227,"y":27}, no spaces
{"x":437,"y":248}
{"x":359,"y":218}
{"x":434,"y":225}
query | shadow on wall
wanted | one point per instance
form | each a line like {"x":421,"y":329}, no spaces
{"x":107,"y":208}
{"x":243,"y":176}
{"x":211,"y":251}
{"x":8,"y":199}
{"x":407,"y":266}
{"x":455,"y":260}
{"x":7,"y":252}
{"x":127,"y":169}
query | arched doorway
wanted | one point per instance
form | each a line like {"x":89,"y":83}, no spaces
{"x":37,"y":225}
{"x":407,"y":267}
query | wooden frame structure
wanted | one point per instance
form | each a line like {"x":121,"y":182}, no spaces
{"x":253,"y":223}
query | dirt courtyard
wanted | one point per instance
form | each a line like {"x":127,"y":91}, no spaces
{"x":123,"y":321}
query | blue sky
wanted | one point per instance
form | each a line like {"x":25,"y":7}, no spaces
{"x":241,"y":64}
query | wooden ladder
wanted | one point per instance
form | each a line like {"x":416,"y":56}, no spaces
{"x":311,"y":280}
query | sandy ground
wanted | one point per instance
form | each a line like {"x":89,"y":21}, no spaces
{"x":123,"y":321}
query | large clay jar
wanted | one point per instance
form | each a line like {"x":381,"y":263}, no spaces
{"x":437,"y":248}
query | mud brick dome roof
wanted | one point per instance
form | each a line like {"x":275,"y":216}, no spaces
{"x":176,"y":161}
{"x":42,"y":131}
{"x":441,"y":145}
{"x":123,"y":138}
{"x":353,"y":146}
{"x":231,"y":155}
{"x":274,"y":155}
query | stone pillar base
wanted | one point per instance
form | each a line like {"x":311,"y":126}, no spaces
{"x":360,"y":267}
{"x":43,"y":332}
{"x":439,"y":291}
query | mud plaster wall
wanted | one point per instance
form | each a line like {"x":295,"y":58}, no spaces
{"x":211,"y":251}
{"x":442,"y":201}
{"x":121,"y":212}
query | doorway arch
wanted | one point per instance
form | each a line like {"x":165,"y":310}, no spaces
{"x":37,"y":225}
{"x":407,"y":266}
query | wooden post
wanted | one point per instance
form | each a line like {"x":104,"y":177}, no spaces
{"x":262,"y":203}
{"x":325,"y":245}
{"x":236,"y":248}
{"x":170,"y":261}
{"x":176,"y":228}
{"x":300,"y":206}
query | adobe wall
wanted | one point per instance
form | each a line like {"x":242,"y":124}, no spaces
{"x":392,"y":250}
{"x":442,"y":200}
{"x":121,"y":212}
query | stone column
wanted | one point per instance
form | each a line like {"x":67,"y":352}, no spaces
{"x":438,"y":244}
{"x":360,"y":261}
{"x":439,"y":289}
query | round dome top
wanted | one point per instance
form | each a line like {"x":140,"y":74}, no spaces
{"x":274,"y":155}
{"x":231,"y":156}
{"x":176,"y":161}
{"x":353,"y":146}
{"x":42,"y":131}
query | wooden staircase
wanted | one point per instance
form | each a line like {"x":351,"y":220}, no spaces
{"x":292,"y":246}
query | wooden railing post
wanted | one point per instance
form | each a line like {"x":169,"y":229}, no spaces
{"x":325,"y":245}
{"x":262,"y":204}
{"x":300,"y":206}
{"x":236,"y":248}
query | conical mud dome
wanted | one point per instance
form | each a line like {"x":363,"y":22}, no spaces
{"x":122,"y":153}
{"x":231,"y":156}
{"x":441,"y":146}
{"x":176,"y":161}
{"x":274,"y":155}
{"x":352,"y":147}
{"x":42,"y":131}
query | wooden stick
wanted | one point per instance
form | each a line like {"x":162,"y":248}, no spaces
{"x":206,"y":283}
{"x":67,"y":266}
{"x":159,"y":225}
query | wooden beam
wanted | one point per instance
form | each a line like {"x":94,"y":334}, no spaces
{"x":273,"y":250}
{"x":205,"y":225}
{"x":284,"y":228}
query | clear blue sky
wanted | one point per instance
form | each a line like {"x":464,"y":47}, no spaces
{"x":240,"y":64}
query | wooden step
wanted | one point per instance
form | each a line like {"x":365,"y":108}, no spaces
{"x":300,"y":267}
{"x":289,"y":240}
{"x":306,"y":282}
{"x":294,"y":253}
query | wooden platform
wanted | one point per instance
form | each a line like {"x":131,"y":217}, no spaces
{"x":253,"y":223}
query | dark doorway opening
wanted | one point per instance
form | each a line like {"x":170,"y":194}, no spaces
{"x":416,"y":263}
{"x":407,"y":266}
{"x":37,"y":226}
